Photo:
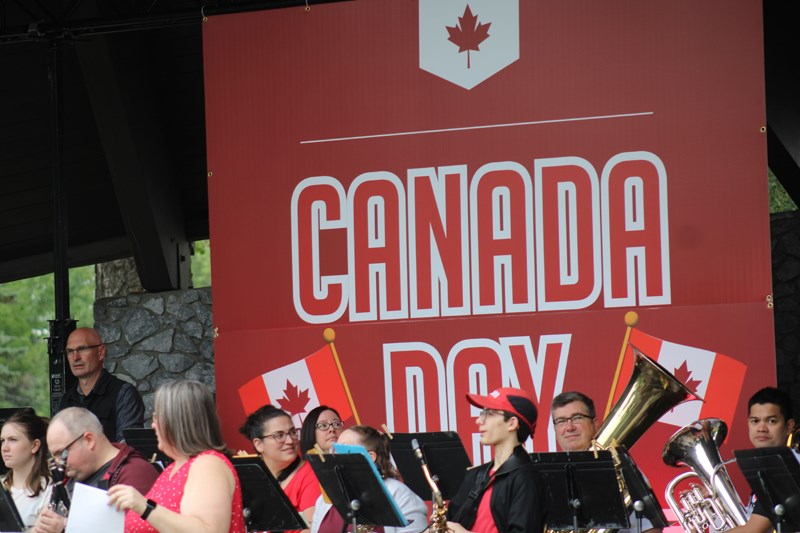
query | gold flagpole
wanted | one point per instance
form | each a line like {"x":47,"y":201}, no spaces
{"x":329,"y":335}
{"x":631,"y":319}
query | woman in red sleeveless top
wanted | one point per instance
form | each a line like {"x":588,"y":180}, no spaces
{"x":199,"y":491}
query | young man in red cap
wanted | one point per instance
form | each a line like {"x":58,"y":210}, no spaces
{"x":504,"y":495}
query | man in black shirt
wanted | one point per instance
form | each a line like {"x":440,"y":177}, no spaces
{"x":770,"y":421}
{"x":116,"y":403}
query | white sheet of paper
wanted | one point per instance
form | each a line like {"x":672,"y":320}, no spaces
{"x":90,"y":512}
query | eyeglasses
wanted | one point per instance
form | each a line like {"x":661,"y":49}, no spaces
{"x":575,"y":419}
{"x":325,"y":426}
{"x":280,"y":436}
{"x":61,"y":457}
{"x":80,"y":349}
{"x":486,"y":413}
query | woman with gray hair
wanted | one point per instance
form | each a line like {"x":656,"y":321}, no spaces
{"x":199,"y":492}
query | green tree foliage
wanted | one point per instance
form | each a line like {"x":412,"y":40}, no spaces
{"x":25,"y":308}
{"x":779,"y":199}
{"x":201,"y":264}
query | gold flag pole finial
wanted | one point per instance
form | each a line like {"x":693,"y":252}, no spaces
{"x":631,"y":319}
{"x":329,"y":335}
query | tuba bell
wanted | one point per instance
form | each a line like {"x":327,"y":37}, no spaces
{"x":714,"y":504}
{"x":651,"y":392}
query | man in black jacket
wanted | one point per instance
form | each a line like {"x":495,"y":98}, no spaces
{"x":116,"y":403}
{"x":505,"y":495}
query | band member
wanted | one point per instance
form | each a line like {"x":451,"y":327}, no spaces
{"x":506,"y":494}
{"x":576,"y":425}
{"x":769,"y":423}
{"x":328,"y":520}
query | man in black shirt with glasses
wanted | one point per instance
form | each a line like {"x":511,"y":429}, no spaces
{"x":116,"y":403}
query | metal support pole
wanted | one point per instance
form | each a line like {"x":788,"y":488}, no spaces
{"x":63,"y":325}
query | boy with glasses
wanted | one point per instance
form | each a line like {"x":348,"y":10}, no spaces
{"x":506,"y":494}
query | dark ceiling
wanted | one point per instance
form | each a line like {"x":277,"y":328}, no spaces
{"x":132,"y":130}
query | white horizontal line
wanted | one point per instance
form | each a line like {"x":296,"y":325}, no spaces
{"x":483,"y":127}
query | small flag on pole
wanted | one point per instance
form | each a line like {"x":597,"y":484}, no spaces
{"x":299,"y":387}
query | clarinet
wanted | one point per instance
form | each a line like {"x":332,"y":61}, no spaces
{"x":59,"y":498}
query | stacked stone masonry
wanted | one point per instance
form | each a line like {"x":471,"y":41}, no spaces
{"x":153,"y":338}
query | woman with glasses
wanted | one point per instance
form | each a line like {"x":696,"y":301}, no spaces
{"x":24,"y":449}
{"x":322,"y":426}
{"x":327,"y":519}
{"x":275,"y":438}
{"x":200,"y":490}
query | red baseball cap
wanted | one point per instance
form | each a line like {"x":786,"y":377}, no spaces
{"x":514,"y":401}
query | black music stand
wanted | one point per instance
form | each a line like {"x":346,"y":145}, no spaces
{"x":355,"y":488}
{"x":582,"y":491}
{"x":774,"y":474}
{"x":266,"y":506}
{"x":446,"y":457}
{"x":10,"y":520}
{"x":144,"y":440}
{"x":640,"y":490}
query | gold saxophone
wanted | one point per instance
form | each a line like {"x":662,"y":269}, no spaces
{"x":438,"y":521}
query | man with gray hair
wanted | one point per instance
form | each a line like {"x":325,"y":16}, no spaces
{"x":76,"y":441}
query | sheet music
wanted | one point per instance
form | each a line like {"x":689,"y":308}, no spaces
{"x":90,"y":512}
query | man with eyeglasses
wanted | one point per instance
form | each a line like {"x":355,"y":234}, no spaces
{"x":76,"y":440}
{"x":575,"y":421}
{"x":504,"y":495}
{"x":576,"y":425}
{"x":116,"y":403}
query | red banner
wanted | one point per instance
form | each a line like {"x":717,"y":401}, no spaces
{"x":473,"y":194}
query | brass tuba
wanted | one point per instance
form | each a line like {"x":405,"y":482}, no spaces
{"x":651,"y":392}
{"x":714,"y":504}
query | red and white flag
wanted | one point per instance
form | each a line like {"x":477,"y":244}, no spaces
{"x":712,"y":376}
{"x":299,"y":387}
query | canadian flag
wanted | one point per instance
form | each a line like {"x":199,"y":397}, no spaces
{"x":712,"y":376}
{"x":299,"y":387}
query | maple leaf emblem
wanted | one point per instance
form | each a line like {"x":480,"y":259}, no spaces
{"x":684,"y":375}
{"x":468,"y":34}
{"x":294,"y":401}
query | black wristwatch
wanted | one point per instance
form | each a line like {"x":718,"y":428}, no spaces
{"x":150,"y":506}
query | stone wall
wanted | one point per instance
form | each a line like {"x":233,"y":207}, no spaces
{"x":785,"y":236}
{"x":153,"y":338}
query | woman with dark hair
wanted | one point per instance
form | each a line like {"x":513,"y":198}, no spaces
{"x":327,"y":519}
{"x":276,"y":440}
{"x":24,"y":449}
{"x":322,"y":426}
{"x":199,"y":491}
